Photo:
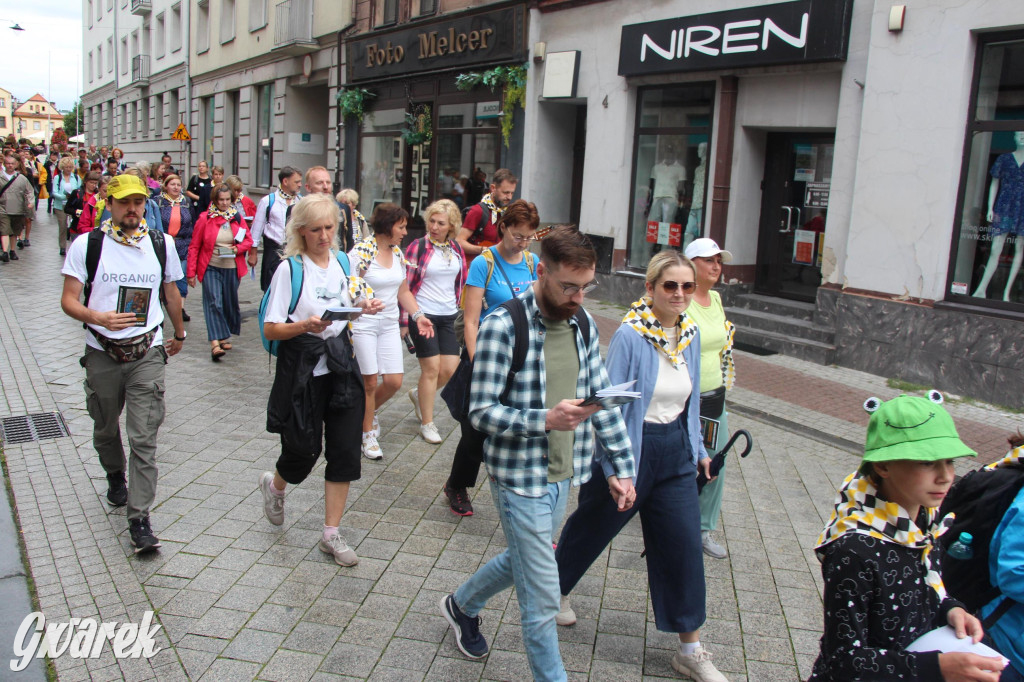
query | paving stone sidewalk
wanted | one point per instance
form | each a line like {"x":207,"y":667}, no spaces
{"x":241,"y":599}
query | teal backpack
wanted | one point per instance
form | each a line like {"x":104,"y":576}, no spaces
{"x":295,"y":265}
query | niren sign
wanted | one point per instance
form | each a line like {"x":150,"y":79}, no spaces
{"x":460,"y":41}
{"x":785,"y":33}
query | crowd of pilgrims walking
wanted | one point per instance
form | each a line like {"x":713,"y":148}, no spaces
{"x":461,"y":297}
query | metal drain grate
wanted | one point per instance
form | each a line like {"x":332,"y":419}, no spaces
{"x":33,"y":427}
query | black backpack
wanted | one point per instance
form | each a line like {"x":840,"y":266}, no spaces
{"x":73,"y":209}
{"x":979,"y":500}
{"x":456,"y":391}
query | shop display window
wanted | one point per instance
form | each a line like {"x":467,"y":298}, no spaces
{"x":988,"y":245}
{"x":380,"y":160}
{"x":669,"y":190}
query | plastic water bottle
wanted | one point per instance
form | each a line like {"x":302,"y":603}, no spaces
{"x":961,"y":549}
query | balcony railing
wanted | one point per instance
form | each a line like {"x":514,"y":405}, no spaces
{"x":140,"y":70}
{"x":140,"y":7}
{"x":293,"y":28}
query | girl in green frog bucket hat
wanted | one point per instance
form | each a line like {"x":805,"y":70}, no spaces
{"x":880,"y":559}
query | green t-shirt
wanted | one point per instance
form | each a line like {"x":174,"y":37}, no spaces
{"x":711,"y":322}
{"x":561,"y":371}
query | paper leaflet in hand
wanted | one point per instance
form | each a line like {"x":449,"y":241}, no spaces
{"x":613,"y":396}
{"x":340,"y":313}
{"x":944,"y":640}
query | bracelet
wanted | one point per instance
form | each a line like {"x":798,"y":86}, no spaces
{"x":416,"y":315}
{"x":182,"y":339}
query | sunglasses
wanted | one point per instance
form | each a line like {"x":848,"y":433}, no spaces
{"x":670,"y":286}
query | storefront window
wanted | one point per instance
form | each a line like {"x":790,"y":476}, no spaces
{"x":989,"y":240}
{"x":380,"y":160}
{"x":670,"y":158}
{"x":467,"y":143}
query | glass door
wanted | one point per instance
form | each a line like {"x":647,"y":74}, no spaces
{"x":794,"y":205}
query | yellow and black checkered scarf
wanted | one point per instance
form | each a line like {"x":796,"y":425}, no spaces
{"x":1014,"y":457}
{"x":728,"y":364}
{"x":366,"y":251}
{"x":495,"y":210}
{"x":642,"y":319}
{"x":118,"y":235}
{"x":227,"y":215}
{"x":858,"y":509}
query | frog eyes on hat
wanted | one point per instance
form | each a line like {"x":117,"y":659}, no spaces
{"x":872,"y":404}
{"x":935,"y":397}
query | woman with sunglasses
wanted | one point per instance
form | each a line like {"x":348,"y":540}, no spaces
{"x":501,"y":272}
{"x":716,"y":372}
{"x":658,"y":347}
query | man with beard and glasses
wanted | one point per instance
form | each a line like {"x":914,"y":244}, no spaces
{"x":539,"y":438}
{"x":122,"y":272}
{"x":480,"y":226}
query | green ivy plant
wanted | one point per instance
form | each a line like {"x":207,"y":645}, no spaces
{"x":418,"y":125}
{"x":512,"y":80}
{"x":352,"y":103}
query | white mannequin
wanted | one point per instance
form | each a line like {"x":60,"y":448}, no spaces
{"x":999,"y":241}
{"x":693,"y":223}
{"x":667,"y":179}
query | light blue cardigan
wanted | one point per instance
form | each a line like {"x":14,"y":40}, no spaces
{"x":630,"y":356}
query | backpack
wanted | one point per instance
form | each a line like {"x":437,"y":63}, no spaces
{"x":456,"y":392}
{"x":73,"y":209}
{"x":488,"y":256}
{"x":270,"y":203}
{"x":979,"y":499}
{"x":94,"y":247}
{"x":295,"y":266}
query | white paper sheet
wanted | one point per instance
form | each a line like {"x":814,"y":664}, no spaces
{"x":944,"y":639}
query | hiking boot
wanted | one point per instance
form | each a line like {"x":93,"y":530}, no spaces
{"x":697,"y":666}
{"x":712,"y":548}
{"x":143,"y":539}
{"x":371,"y":448}
{"x":565,"y":615}
{"x":467,"y":629}
{"x":429,"y":433}
{"x":458,"y":501}
{"x":117,"y":489}
{"x":414,"y":396}
{"x":273,"y":505}
{"x":14,"y":256}
{"x":336,"y":547}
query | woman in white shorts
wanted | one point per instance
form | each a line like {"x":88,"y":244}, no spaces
{"x":377,"y":339}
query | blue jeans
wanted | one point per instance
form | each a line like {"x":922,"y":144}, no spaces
{"x":528,"y":563}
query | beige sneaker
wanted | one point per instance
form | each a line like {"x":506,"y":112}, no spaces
{"x":565,"y":615}
{"x":429,"y":433}
{"x":414,"y":396}
{"x":697,"y":665}
{"x":371,"y":448}
{"x":342,"y":553}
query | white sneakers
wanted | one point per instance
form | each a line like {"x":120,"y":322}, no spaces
{"x":429,"y":433}
{"x":697,"y":665}
{"x":273,"y":505}
{"x":565,"y":615}
{"x":712,"y":548}
{"x":337,"y":548}
{"x":414,"y":396}
{"x":371,"y":448}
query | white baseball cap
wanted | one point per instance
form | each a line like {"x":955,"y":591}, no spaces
{"x":706,"y":248}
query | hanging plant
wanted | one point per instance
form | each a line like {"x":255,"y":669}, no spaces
{"x":418,"y":125}
{"x":512,"y":79}
{"x":352,"y":103}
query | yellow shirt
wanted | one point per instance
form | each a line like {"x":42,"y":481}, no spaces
{"x":710,"y":320}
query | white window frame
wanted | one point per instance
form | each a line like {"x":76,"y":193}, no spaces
{"x":227,"y":21}
{"x":257,"y":15}
{"x":160,"y":35}
{"x":175,"y":28}
{"x":124,"y":56}
{"x":89,"y":60}
{"x":110,"y":54}
{"x":202,"y":26}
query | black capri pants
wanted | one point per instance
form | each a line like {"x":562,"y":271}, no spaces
{"x":443,"y":342}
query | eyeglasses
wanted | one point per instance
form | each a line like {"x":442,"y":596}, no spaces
{"x":573,"y":289}
{"x":524,"y":239}
{"x":670,"y":286}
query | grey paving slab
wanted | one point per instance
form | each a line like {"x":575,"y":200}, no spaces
{"x":238,"y":598}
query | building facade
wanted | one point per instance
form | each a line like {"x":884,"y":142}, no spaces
{"x":420,"y":132}
{"x":135,"y":76}
{"x":264,"y":85}
{"x":6,"y":113}
{"x":861,"y":163}
{"x":36,"y":119}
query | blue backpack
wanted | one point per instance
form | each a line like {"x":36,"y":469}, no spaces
{"x":295,"y":265}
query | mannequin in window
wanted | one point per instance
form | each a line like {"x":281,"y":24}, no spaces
{"x":1005,"y":214}
{"x":667,"y":179}
{"x":696,"y":219}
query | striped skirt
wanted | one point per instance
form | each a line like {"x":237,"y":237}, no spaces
{"x":220,"y":303}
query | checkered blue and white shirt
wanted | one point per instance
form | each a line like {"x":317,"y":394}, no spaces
{"x":516,"y":449}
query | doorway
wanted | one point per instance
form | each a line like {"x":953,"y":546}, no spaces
{"x":794,"y":205}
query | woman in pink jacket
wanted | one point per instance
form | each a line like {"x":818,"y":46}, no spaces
{"x":216,"y":257}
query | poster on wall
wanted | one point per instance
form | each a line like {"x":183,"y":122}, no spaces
{"x":805,"y":163}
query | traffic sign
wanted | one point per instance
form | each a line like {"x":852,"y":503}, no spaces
{"x":181,"y":133}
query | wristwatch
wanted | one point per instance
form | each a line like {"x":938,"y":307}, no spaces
{"x":416,"y":315}
{"x":184,"y":335}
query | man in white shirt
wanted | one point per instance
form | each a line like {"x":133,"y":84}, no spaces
{"x":271,"y":218}
{"x":119,"y":269}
